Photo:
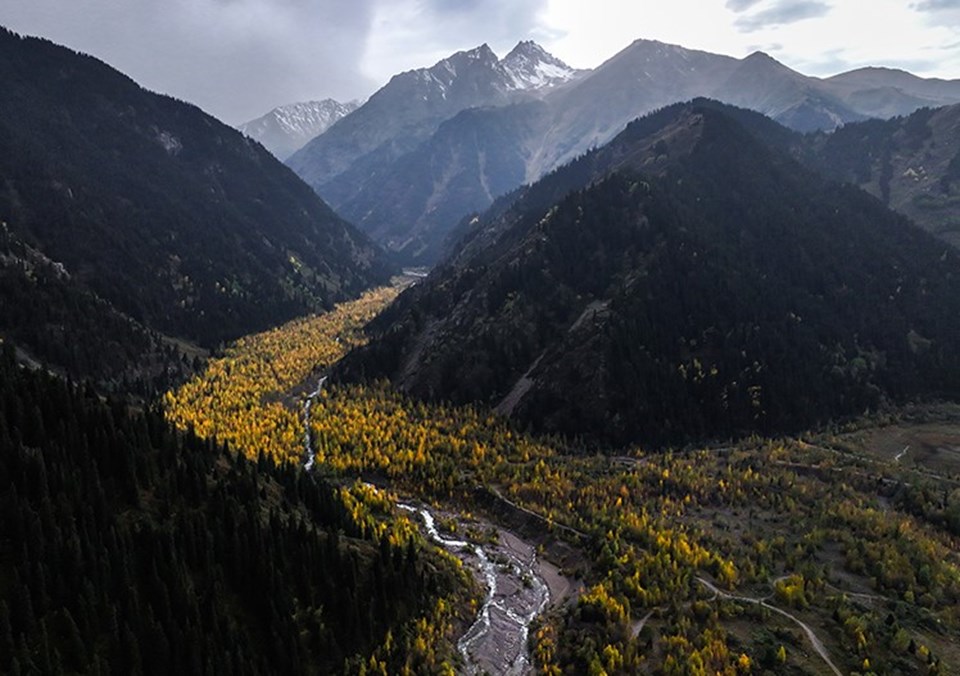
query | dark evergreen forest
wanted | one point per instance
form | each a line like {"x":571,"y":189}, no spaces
{"x":173,"y":219}
{"x":128,"y":548}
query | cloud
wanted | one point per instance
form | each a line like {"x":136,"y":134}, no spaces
{"x":783,"y":12}
{"x":769,"y":48}
{"x":410,"y":34}
{"x":935,"y":5}
{"x":234,"y":58}
{"x":829,"y":62}
{"x":741,"y":5}
{"x":239,"y":58}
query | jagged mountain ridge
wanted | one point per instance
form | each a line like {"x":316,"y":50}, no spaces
{"x":530,"y":66}
{"x":411,"y":106}
{"x":175,"y":220}
{"x":583,"y":113}
{"x":352,"y":155}
{"x":689,"y":280}
{"x":286,"y":129}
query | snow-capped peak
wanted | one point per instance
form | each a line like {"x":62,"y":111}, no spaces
{"x":530,"y":66}
{"x":286,"y":128}
{"x":302,"y":118}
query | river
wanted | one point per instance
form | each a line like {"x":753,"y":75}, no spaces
{"x":516,"y":592}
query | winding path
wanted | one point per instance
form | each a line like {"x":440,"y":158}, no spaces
{"x":814,"y":640}
{"x":540,"y":517}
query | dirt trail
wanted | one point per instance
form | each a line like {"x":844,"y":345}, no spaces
{"x":814,"y":639}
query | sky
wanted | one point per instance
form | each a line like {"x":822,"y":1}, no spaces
{"x":237,"y":59}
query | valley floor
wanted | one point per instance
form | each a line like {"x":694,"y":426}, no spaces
{"x":850,"y":537}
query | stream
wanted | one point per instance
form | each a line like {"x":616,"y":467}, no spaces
{"x":496,"y":642}
{"x":307,"y":445}
{"x":516,"y":591}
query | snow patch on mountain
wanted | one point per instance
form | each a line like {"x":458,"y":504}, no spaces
{"x":287,"y":128}
{"x":530,"y":66}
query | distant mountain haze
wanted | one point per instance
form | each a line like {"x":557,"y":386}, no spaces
{"x":350,"y":163}
{"x":406,"y":171}
{"x":412,"y":105}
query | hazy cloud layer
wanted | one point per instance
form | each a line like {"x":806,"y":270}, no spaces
{"x":741,"y":5}
{"x":238,"y":58}
{"x":936,"y":5}
{"x":782,"y":12}
{"x":234,"y":58}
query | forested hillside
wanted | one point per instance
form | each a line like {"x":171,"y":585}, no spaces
{"x":694,"y":282}
{"x":175,"y":220}
{"x":71,"y":329}
{"x":129,"y":548}
{"x":911,"y":163}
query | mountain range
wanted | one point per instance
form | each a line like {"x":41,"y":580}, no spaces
{"x":437,"y":144}
{"x":286,"y":129}
{"x":368,"y":147}
{"x":150,"y":214}
{"x":690,"y":279}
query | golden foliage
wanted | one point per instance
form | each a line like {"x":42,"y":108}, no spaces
{"x":650,"y":520}
{"x":239,"y":398}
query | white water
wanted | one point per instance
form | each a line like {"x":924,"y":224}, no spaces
{"x":482,"y":624}
{"x":483,"y":630}
{"x":307,"y":445}
{"x":522,"y":662}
